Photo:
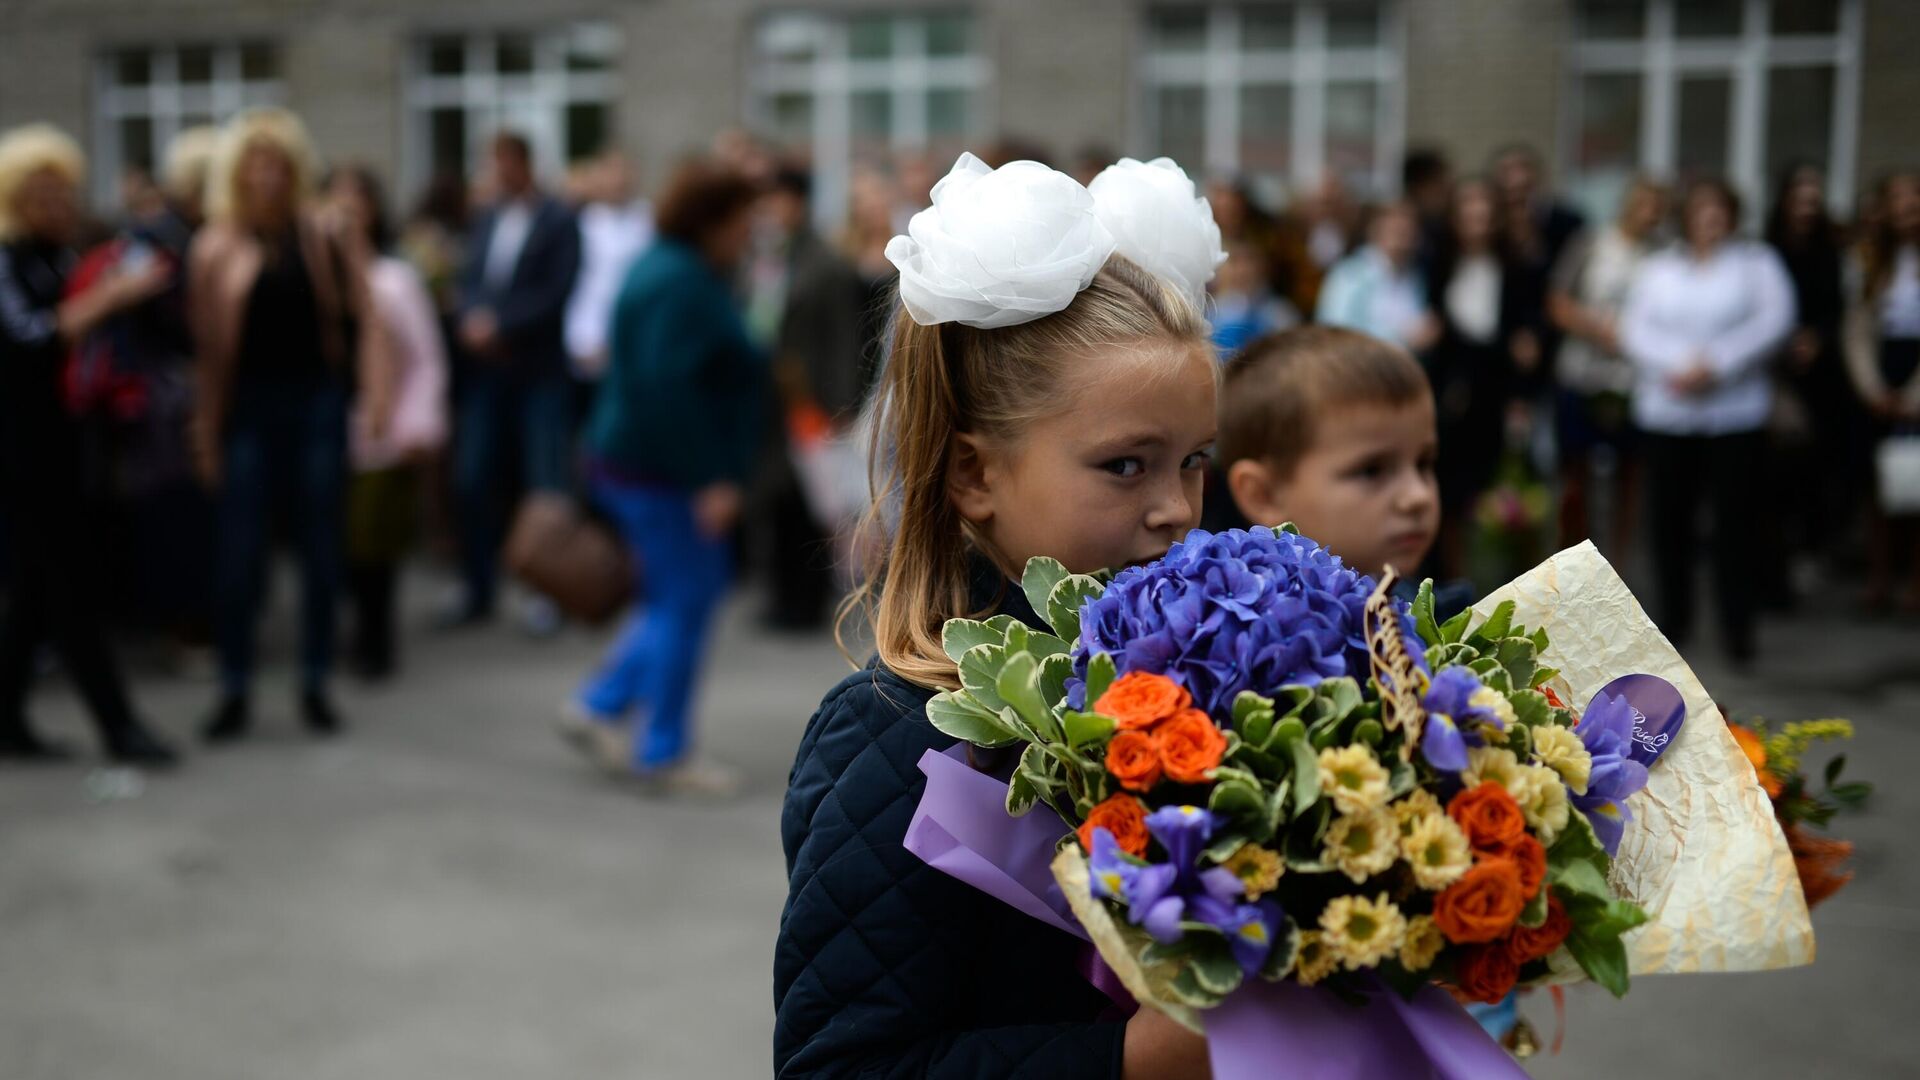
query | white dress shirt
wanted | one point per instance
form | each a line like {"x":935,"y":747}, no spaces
{"x":1730,"y":312}
{"x":1473,"y":299}
{"x":611,"y":237}
{"x":510,"y":231}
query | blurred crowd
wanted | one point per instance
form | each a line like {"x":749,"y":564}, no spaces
{"x":257,"y":350}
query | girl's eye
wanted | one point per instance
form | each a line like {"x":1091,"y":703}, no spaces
{"x":1199,"y":459}
{"x":1125,"y":467}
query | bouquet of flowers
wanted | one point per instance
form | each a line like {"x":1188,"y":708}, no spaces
{"x":1776,"y":755}
{"x":1273,"y":775}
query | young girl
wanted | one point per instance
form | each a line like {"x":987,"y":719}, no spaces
{"x":1041,"y":398}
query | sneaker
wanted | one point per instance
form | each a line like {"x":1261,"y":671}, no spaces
{"x":695,"y":777}
{"x":574,"y":724}
{"x":609,"y":747}
{"x":540,"y":618}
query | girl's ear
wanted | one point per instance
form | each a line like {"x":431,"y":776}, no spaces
{"x":1260,"y":495}
{"x":967,"y":483}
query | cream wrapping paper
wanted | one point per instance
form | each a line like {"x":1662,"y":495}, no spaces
{"x":1703,"y":855}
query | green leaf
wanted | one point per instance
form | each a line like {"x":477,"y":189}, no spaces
{"x":1239,"y":801}
{"x":1186,"y":989}
{"x":1423,"y":623}
{"x":1286,"y":949}
{"x":1214,"y":967}
{"x":1277,"y":806}
{"x":1851,"y":794}
{"x":1043,"y":645}
{"x":1291,"y":700}
{"x":1544,"y":675}
{"x":1220,"y":847}
{"x":1602,"y":957}
{"x":1083,"y":728}
{"x":1535,"y":912}
{"x":1401,"y":776}
{"x":1838,"y":763}
{"x":1019,"y":686}
{"x":1288,"y":730}
{"x":959,"y":635}
{"x":1498,"y":625}
{"x":1041,"y":575}
{"x":1100,"y":676}
{"x":1021,"y":794}
{"x":1517,"y":656}
{"x":1454,"y":629}
{"x":1055,"y":670}
{"x":1343,"y":694}
{"x":1369,"y":731}
{"x":958,"y":715}
{"x":1066,"y":600}
{"x":1530,"y":707}
{"x":1017,"y":638}
{"x":980,"y":669}
{"x":1306,"y":775}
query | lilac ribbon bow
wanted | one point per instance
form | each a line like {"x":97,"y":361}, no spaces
{"x":962,"y":828}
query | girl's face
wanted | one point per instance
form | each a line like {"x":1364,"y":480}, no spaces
{"x":1112,"y":476}
{"x":266,"y":181}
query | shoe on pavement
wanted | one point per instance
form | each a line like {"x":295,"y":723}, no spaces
{"x":229,"y":722}
{"x":319,"y":714}
{"x":135,"y":744}
{"x":697,"y":777}
{"x":19,"y":743}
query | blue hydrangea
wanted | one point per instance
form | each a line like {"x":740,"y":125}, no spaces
{"x":1232,"y":611}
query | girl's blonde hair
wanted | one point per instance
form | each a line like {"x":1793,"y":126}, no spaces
{"x":274,"y":127}
{"x":26,"y":150}
{"x":947,"y":380}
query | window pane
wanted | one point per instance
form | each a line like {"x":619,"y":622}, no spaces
{"x":949,"y":35}
{"x":1266,"y":130}
{"x":1799,"y":117}
{"x":592,"y":47}
{"x":946,"y":112}
{"x":791,"y":117}
{"x":1351,"y":108}
{"x":446,"y":56}
{"x":1609,"y":123}
{"x":447,"y":134}
{"x":1706,"y":106}
{"x":870,"y":37}
{"x":133,"y":67}
{"x":1805,"y":16}
{"x":196,"y":64}
{"x":1353,"y":26}
{"x":1181,"y":120}
{"x":1181,"y":30}
{"x":136,"y":142}
{"x":513,"y":55}
{"x":789,"y":37}
{"x":1266,"y":26}
{"x":1612,"y":20}
{"x":258,"y":62}
{"x":195,"y":119}
{"x":587,"y":124}
{"x":1707,"y":18}
{"x":872,"y":114}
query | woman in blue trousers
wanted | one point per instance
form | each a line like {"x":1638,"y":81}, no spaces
{"x":670,"y":443}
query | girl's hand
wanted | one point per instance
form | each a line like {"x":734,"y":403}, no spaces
{"x":1158,"y":1048}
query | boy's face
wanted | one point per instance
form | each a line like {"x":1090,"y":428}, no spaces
{"x":1111,"y":477}
{"x":1365,"y":489}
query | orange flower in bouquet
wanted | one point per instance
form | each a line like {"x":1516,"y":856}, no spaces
{"x":1756,"y":750}
{"x":1489,"y":816}
{"x":1140,"y":700}
{"x":1125,"y":817}
{"x":1191,"y":746}
{"x":1485,"y":973}
{"x":1483,"y":905}
{"x":1529,"y":943}
{"x":1133,"y":757}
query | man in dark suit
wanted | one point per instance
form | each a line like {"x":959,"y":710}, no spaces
{"x":1536,"y":228}
{"x":522,"y":258}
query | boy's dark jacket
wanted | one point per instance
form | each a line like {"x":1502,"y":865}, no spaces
{"x":886,"y":967}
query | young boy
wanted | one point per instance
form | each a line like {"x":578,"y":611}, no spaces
{"x":1334,"y":431}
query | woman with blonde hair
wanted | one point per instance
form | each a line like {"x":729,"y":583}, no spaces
{"x":53,"y":592}
{"x":285,"y":337}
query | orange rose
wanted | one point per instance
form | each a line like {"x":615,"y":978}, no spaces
{"x":1531,"y":859}
{"x":1138,"y":699}
{"x":1533,"y":943}
{"x":1125,"y":818}
{"x":1191,"y":746}
{"x":1485,"y":973}
{"x":1483,"y":904}
{"x":1489,"y":817}
{"x":1756,"y":751}
{"x":1134,"y":760}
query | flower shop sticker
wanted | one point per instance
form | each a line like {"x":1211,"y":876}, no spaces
{"x":1658,"y":712}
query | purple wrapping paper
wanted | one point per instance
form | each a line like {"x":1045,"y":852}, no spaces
{"x":962,"y":828}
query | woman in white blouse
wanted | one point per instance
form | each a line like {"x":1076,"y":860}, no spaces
{"x":1701,"y":324}
{"x":1883,"y":358}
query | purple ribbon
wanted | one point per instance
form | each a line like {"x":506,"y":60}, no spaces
{"x":962,"y":828}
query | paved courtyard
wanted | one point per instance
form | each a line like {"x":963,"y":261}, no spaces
{"x":446,"y":893}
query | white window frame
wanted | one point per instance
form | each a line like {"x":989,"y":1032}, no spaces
{"x":534,"y":103}
{"x":166,"y":101}
{"x":1661,"y":58}
{"x":833,"y":76}
{"x":1223,"y":68}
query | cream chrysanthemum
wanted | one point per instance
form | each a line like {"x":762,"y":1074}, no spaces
{"x":1353,"y":778}
{"x":1562,"y":751}
{"x":1362,"y":932}
{"x":1486,"y":763}
{"x":1361,"y":845}
{"x":1438,"y":852}
{"x":1315,"y":961}
{"x":1545,"y":805}
{"x":1258,"y":869}
{"x":1418,"y":804}
{"x":1422,"y":943}
{"x":1494,"y":702}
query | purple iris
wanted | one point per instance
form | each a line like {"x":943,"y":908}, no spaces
{"x":1160,"y":896}
{"x":1249,"y":928}
{"x":1607,"y":732}
{"x":1227,"y":612}
{"x":1453,"y":721}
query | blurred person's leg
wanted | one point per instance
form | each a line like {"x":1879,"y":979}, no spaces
{"x":796,"y":560}
{"x":546,"y":436}
{"x":244,"y":512}
{"x":478,"y":439}
{"x":1734,"y":489}
{"x":319,"y":530}
{"x":613,"y":690}
{"x":683,"y":603}
{"x":1674,"y":469}
{"x":22,"y":630}
{"x":1574,"y":430}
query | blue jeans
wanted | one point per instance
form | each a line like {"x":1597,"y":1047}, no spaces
{"x":500,"y":411}
{"x":284,"y":454}
{"x":655,"y":660}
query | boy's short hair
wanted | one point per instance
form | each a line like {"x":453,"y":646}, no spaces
{"x":1277,"y":387}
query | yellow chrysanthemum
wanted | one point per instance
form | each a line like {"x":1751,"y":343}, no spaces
{"x":1315,"y":961}
{"x":1353,"y":778}
{"x":1361,"y":845}
{"x":1418,"y":804}
{"x":1545,"y":804}
{"x":1421,"y":944}
{"x":1258,"y":869}
{"x":1486,"y":763}
{"x":1562,"y":751}
{"x":1362,"y":932}
{"x":1438,"y":852}
{"x":1494,"y":702}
